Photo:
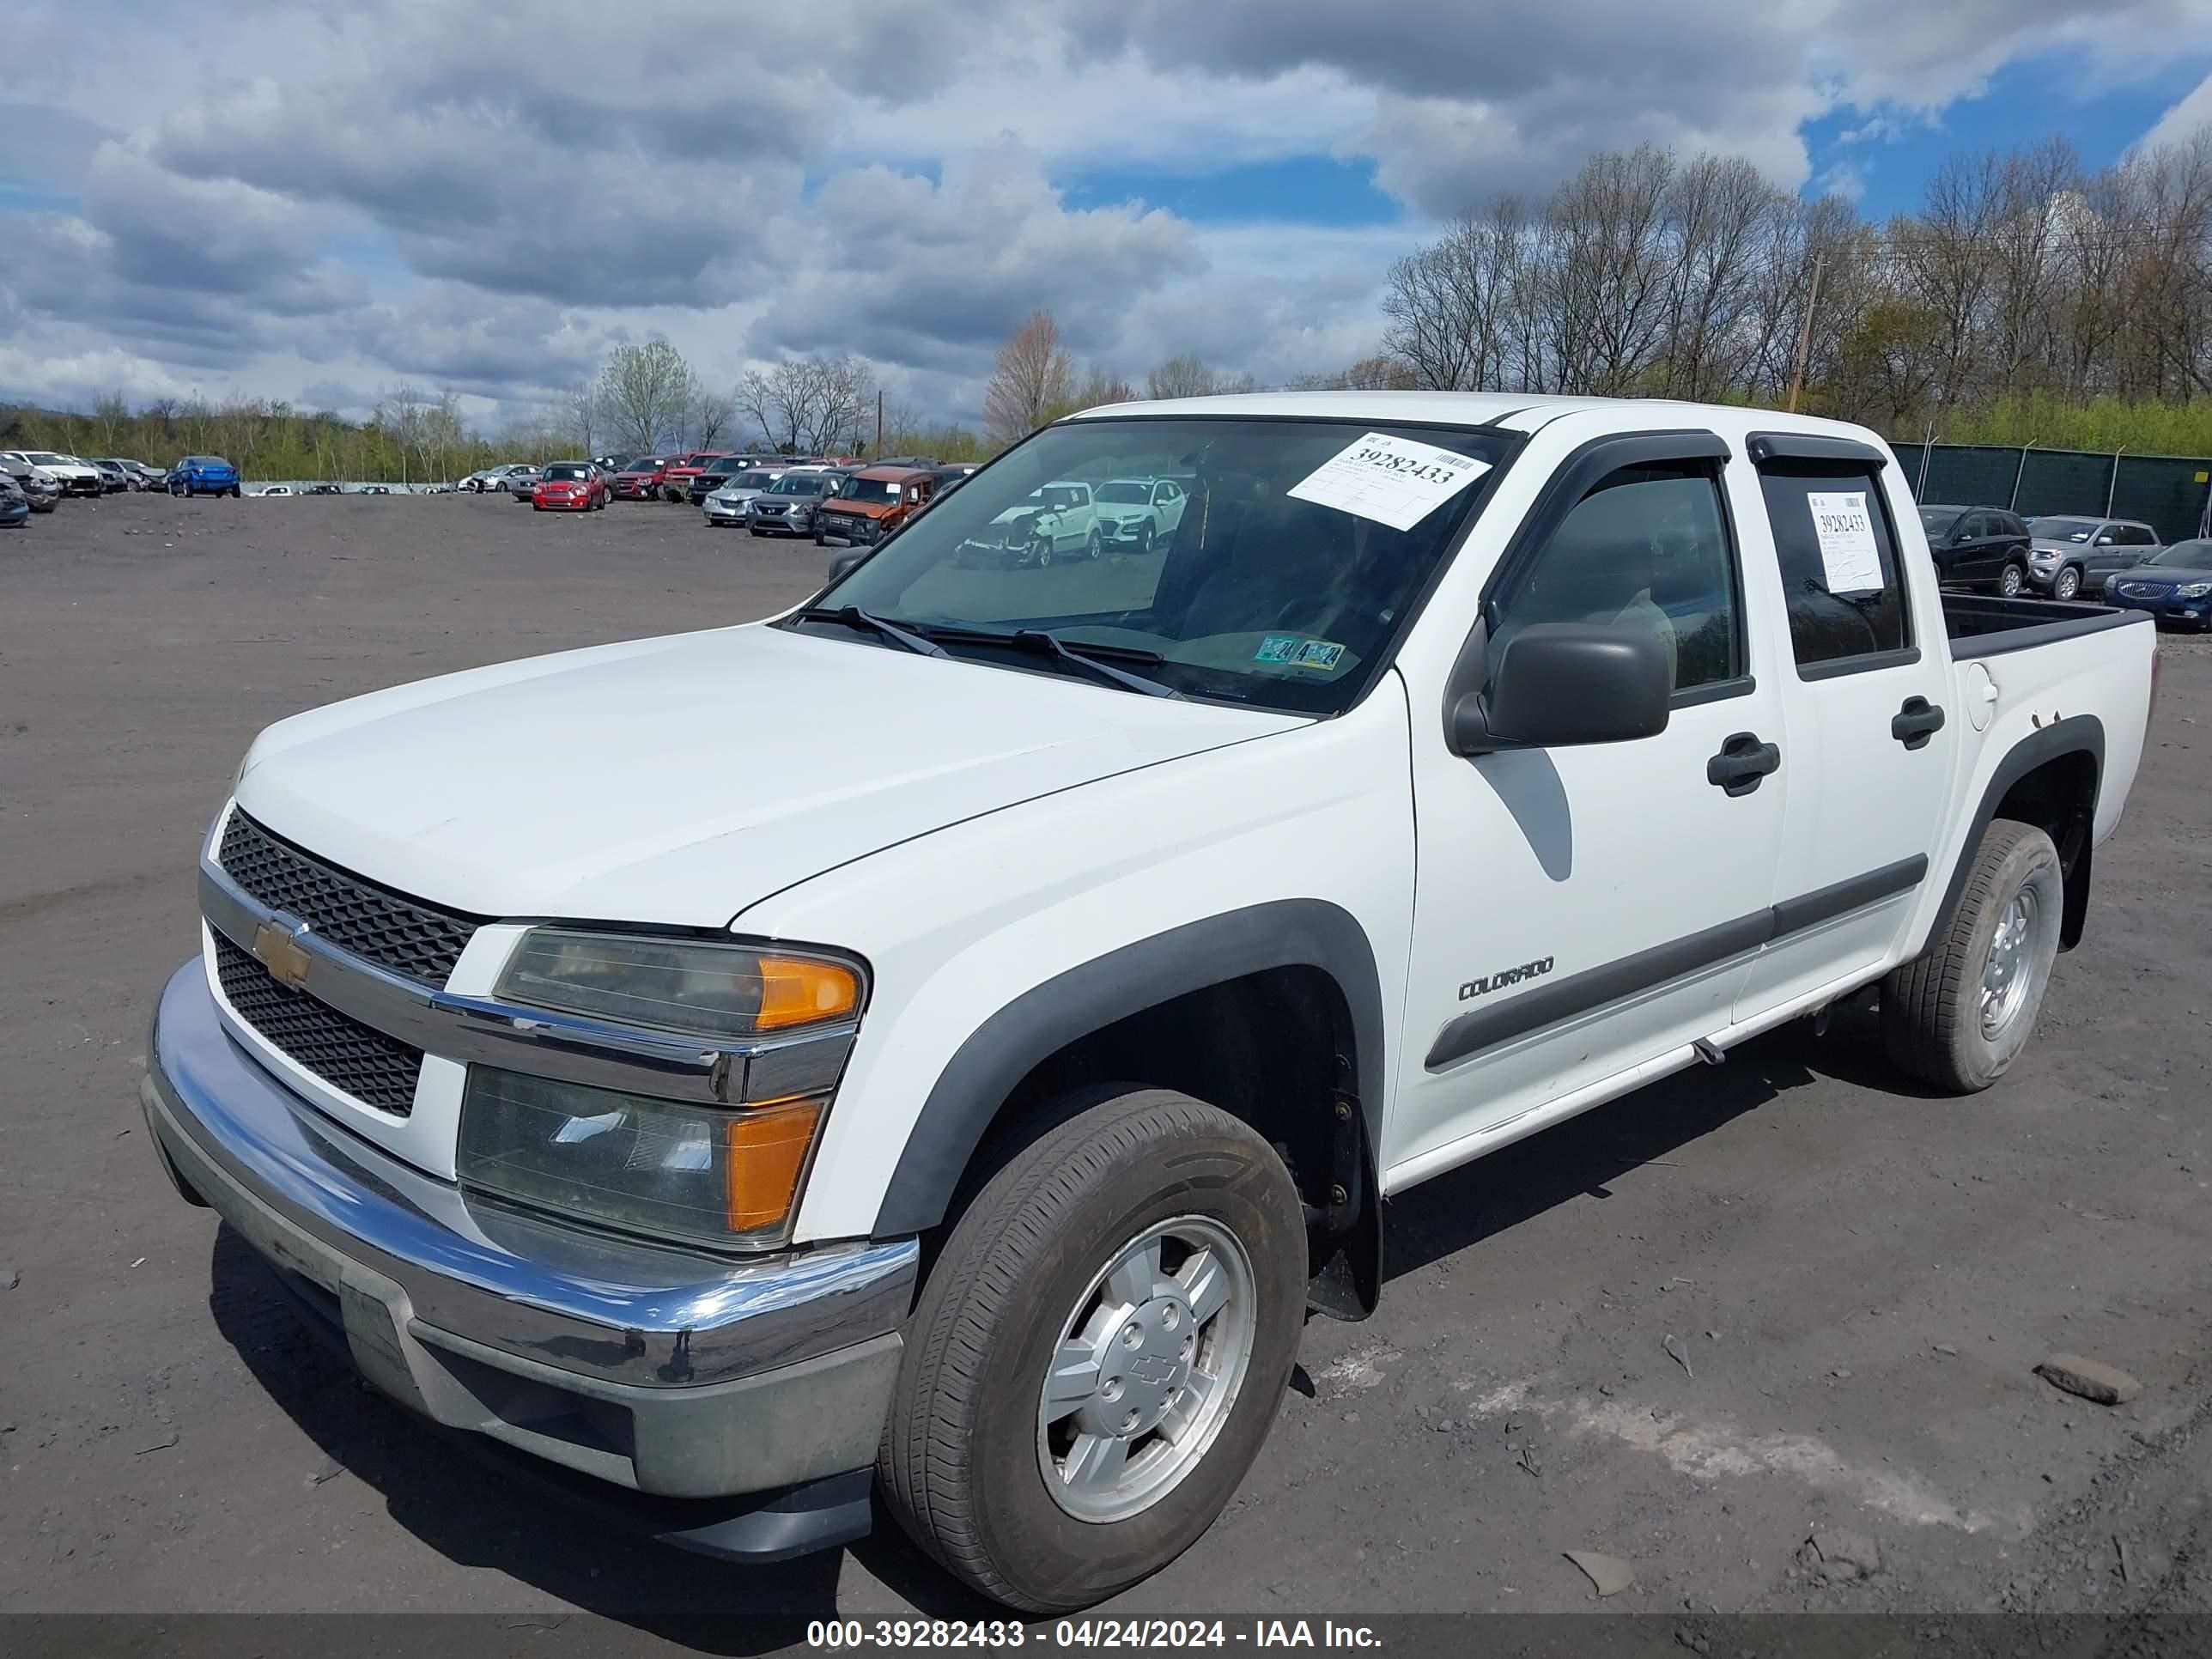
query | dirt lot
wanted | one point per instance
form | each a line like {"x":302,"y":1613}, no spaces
{"x":1860,"y":1277}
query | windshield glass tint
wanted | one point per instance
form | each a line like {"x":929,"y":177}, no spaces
{"x":799,"y":484}
{"x":1125,"y":492}
{"x":2061,"y":530}
{"x":1938,"y":520}
{"x":2185,"y":556}
{"x":1247,"y":592}
{"x":568,"y":472}
{"x":753,"y":480}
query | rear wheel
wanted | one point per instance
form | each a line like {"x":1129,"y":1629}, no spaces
{"x":2067,"y":584}
{"x":2010,"y":583}
{"x":1096,"y":545}
{"x":1099,"y":1350}
{"x":1958,"y":1015}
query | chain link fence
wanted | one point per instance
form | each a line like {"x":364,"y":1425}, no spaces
{"x":2171,"y":493}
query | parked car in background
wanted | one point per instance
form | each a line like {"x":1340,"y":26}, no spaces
{"x":1978,"y":547}
{"x":718,"y":471}
{"x":15,"y":506}
{"x":203,"y":475}
{"x":482,"y":479}
{"x":1136,"y":515}
{"x":642,"y":479}
{"x":267,"y":490}
{"x":377,"y":489}
{"x":74,"y":476}
{"x":871,"y":503}
{"x":726,"y":506}
{"x":114,"y":480}
{"x":2068,"y":553}
{"x":323,"y":490}
{"x":1057,"y":520}
{"x":519,"y":484}
{"x":2174,"y":584}
{"x":136,"y":474}
{"x":675,"y":480}
{"x":786,"y":506}
{"x":570,"y":487}
{"x":39,"y":486}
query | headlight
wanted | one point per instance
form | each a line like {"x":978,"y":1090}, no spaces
{"x":2194,"y":591}
{"x":728,"y":1176}
{"x":699,"y":987}
{"x":2042,"y":555}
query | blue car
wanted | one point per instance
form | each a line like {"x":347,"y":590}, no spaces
{"x":203,"y":475}
{"x":15,"y":506}
{"x":2174,"y":585}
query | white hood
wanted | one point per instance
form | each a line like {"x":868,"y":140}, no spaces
{"x":679,"y":780}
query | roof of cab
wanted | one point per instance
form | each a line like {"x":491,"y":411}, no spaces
{"x":1511,"y":412}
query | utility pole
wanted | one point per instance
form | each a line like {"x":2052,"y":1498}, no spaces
{"x":877,"y":453}
{"x":1805,"y":334}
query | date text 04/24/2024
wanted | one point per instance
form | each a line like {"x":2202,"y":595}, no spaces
{"x":834,"y":1633}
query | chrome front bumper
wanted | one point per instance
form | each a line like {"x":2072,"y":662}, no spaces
{"x":658,"y":1370}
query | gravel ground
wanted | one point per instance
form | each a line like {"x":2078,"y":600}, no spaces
{"x":1860,"y":1277}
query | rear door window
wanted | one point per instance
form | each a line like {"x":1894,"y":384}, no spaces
{"x":1840,"y":574}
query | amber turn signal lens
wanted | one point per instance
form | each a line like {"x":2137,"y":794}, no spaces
{"x":795,"y":991}
{"x":767,"y":1149}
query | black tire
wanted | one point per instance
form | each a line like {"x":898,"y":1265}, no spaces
{"x":2067,"y":584}
{"x":1932,"y":1021}
{"x":2013,"y":581}
{"x":1041,"y":553}
{"x":1096,"y":545}
{"x":960,"y":1464}
{"x":1144,"y":538}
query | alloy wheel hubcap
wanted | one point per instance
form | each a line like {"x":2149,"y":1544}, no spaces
{"x":2007,"y":968}
{"x":1146,"y":1369}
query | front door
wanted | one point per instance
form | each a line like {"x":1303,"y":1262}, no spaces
{"x":1581,"y":911}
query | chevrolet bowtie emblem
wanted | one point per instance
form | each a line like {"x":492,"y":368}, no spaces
{"x":279,"y":950}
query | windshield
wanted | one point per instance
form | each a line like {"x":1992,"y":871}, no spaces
{"x":2185,"y":556}
{"x":567,"y":470}
{"x":46,"y":458}
{"x":1138,"y":493}
{"x":1284,"y":581}
{"x":2062,"y":530}
{"x":1938,"y":520}
{"x":858,"y":488}
{"x":753,"y":480}
{"x":644,"y":464}
{"x":800,"y":483}
{"x":727,"y":464}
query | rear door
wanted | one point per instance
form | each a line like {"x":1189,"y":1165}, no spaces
{"x":1872,"y":743}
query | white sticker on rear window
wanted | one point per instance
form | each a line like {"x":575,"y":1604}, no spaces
{"x":1389,"y":479}
{"x":1849,"y":555}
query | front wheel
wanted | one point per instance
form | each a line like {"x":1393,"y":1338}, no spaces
{"x":1099,"y":1351}
{"x":1041,"y":553}
{"x":2067,"y":584}
{"x":1958,"y":1015}
{"x":1095,"y":546}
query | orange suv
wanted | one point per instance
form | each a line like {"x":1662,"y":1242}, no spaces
{"x":876,"y":501}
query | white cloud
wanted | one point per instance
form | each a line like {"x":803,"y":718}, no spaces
{"x":2188,"y":117}
{"x":485,"y":197}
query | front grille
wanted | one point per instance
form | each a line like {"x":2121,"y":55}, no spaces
{"x":345,"y":1053}
{"x":2143,"y":590}
{"x":390,"y":930}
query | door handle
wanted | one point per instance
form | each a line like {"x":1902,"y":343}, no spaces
{"x":1917,"y":721}
{"x":1742,"y":761}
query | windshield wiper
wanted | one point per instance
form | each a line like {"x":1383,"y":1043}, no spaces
{"x":852,"y":616}
{"x":1038,"y":641}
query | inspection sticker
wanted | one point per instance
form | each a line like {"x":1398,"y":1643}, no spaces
{"x":1389,"y":479}
{"x":1293,"y":651}
{"x":1848,"y":552}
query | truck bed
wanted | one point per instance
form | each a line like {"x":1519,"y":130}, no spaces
{"x":1985,"y":625}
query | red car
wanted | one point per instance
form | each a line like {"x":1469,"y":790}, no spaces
{"x":570,"y":487}
{"x":675,"y":482}
{"x":642,"y":479}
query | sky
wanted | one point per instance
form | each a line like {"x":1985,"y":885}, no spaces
{"x":324,"y":202}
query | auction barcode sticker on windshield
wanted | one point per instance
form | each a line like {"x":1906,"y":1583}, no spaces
{"x":1848,"y":554}
{"x":1389,"y":479}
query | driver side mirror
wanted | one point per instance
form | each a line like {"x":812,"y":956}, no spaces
{"x":843,"y":564}
{"x":1559,"y":684}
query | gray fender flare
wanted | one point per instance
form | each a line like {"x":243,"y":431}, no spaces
{"x":1003,"y":1049}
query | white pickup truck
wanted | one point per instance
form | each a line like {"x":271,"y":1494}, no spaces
{"x":944,"y":1038}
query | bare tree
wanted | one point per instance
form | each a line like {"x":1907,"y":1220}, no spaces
{"x":712,"y":414}
{"x":644,"y":394}
{"x":1189,"y":376}
{"x":1034,"y":377}
{"x":580,"y":413}
{"x":811,"y":405}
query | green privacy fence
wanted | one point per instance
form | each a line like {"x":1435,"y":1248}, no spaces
{"x":2172,"y":493}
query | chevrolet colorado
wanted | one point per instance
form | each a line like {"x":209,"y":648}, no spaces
{"x":946,"y":1037}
